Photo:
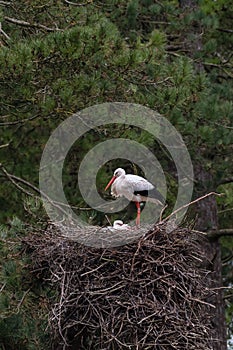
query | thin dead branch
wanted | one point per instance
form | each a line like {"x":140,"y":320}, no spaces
{"x":77,"y":4}
{"x":32,"y":25}
{"x":191,"y":203}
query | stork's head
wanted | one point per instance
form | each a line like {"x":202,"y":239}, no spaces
{"x":118,"y":172}
{"x":118,"y":223}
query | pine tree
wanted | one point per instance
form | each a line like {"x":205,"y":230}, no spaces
{"x":59,"y":58}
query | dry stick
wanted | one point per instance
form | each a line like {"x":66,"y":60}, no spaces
{"x":14,"y":183}
{"x":161,"y":213}
{"x":32,"y":25}
{"x":21,"y":121}
{"x":2,"y":31}
{"x":221,"y":232}
{"x":3,"y":146}
{"x":193,"y":202}
{"x":54,"y":203}
{"x":76,"y":4}
{"x":12,"y":178}
{"x":106,"y":216}
{"x":5,"y":3}
{"x":22,"y":300}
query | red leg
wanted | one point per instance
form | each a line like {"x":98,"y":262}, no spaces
{"x":138,"y":214}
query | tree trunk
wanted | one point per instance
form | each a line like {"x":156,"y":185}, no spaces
{"x":208,"y":220}
{"x":207,"y":209}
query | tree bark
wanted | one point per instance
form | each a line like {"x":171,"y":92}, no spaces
{"x":206,"y":209}
{"x":207,"y":219}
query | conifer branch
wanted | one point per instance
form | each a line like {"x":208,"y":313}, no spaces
{"x":20,"y":121}
{"x":5,"y":3}
{"x":77,"y":4}
{"x":225,"y":30}
{"x":3,"y":33}
{"x":15,"y":179}
{"x":5,"y":145}
{"x":28,"y":24}
{"x":224,"y":126}
{"x":220,"y":233}
{"x":225,"y":181}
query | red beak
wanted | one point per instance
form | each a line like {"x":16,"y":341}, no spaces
{"x":110,"y":182}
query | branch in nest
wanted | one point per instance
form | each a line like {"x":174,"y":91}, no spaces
{"x":191,"y":203}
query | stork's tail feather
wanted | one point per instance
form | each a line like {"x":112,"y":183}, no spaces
{"x":154,"y":193}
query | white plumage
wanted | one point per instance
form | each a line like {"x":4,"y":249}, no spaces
{"x":125,"y":185}
{"x":119,"y":225}
{"x":134,"y":188}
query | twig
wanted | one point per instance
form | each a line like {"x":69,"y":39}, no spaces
{"x":4,"y":33}
{"x":225,"y":210}
{"x":96,"y":269}
{"x":20,"y":121}
{"x":77,"y":4}
{"x":3,"y":146}
{"x":14,"y":182}
{"x":56,"y":204}
{"x":203,"y":302}
{"x":21,"y":301}
{"x":191,"y":203}
{"x":225,"y":181}
{"x":12,"y":179}
{"x":220,"y":233}
{"x":2,"y":287}
{"x":28,"y":24}
{"x":5,"y":3}
{"x":161,"y":213}
{"x":106,"y":216}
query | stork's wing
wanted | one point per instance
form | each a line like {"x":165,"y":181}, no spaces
{"x":145,"y":188}
{"x":138,"y":183}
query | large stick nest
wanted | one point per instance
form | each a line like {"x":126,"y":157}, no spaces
{"x":149,"y":294}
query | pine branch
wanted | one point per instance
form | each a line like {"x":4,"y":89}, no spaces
{"x":77,"y":4}
{"x":3,"y":33}
{"x":225,"y":30}
{"x":28,"y":24}
{"x":220,"y":233}
{"x":225,"y":181}
{"x":223,"y":126}
{"x":5,"y":3}
{"x":15,"y":179}
{"x":224,"y":210}
{"x":3,"y":146}
{"x":20,"y":121}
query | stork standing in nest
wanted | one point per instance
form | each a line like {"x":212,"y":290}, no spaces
{"x":134,"y":188}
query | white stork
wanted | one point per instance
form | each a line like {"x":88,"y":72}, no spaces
{"x":119,"y":225}
{"x":134,"y":188}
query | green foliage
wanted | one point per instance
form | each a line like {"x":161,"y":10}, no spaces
{"x":22,"y":323}
{"x":152,"y":53}
{"x":132,"y":13}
